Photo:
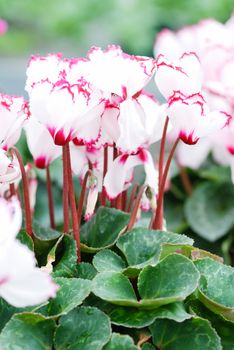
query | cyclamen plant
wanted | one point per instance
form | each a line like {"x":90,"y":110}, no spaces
{"x":141,"y":287}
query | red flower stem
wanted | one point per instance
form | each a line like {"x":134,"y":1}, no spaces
{"x":158,"y":221}
{"x":76,"y":231}
{"x":133,"y":216}
{"x":65,"y":193}
{"x":118,"y":202}
{"x":115,"y":202}
{"x":132,"y":197}
{"x":50,"y":198}
{"x":124,"y":200}
{"x":12,"y":190}
{"x":82,"y":197}
{"x":185,"y":180}
{"x":105,"y":167}
{"x":161,"y":159}
{"x":27,"y":208}
{"x":162,"y":151}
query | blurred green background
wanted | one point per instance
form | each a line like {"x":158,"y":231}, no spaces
{"x":72,"y":26}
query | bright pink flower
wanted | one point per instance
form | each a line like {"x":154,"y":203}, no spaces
{"x":13,"y":113}
{"x":3,"y":26}
{"x":183,"y":75}
{"x":191,"y":118}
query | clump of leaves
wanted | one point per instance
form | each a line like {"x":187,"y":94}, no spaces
{"x":145,"y":289}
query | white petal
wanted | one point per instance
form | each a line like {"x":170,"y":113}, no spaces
{"x":193,"y":157}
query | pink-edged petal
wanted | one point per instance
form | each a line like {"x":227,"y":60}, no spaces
{"x":117,"y":177}
{"x":42,"y":68}
{"x":167,"y":43}
{"x":183,"y":75}
{"x":40,"y":144}
{"x":110,"y":130}
{"x":116,"y":72}
{"x":4,"y":162}
{"x":118,"y":173}
{"x":212,"y":122}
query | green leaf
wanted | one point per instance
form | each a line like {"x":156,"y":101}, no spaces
{"x":172,"y":279}
{"x":44,"y":233}
{"x":142,"y":247}
{"x":6,"y":311}
{"x":224,"y":329}
{"x":135,"y":318}
{"x":25,"y":239}
{"x":120,"y":342}
{"x":107,"y":260}
{"x":28,"y":331}
{"x":216,"y":173}
{"x":71,"y":293}
{"x":216,"y":287}
{"x":66,"y":267}
{"x":148,"y":346}
{"x":85,"y":328}
{"x":192,"y":334}
{"x":114,"y":287}
{"x":86,"y":271}
{"x":210,"y":217}
{"x":103,"y":229}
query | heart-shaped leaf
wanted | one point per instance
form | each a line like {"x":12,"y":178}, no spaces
{"x":192,"y":334}
{"x":120,"y":342}
{"x":86,"y":271}
{"x":142,"y":247}
{"x":71,"y":293}
{"x":210,"y":217}
{"x":115,"y":288}
{"x":107,"y":260}
{"x":216,"y":287}
{"x":103,"y":229}
{"x":27,"y":331}
{"x":135,"y":318}
{"x":66,"y":266}
{"x":172,"y":279}
{"x":84,"y":328}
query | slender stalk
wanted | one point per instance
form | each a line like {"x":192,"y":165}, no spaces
{"x":27,"y":208}
{"x":65,"y":193}
{"x":12,"y":190}
{"x":50,"y":198}
{"x":105,"y":167}
{"x":132,"y":197}
{"x":162,"y":151}
{"x":133,"y":216}
{"x":124,"y":200}
{"x":185,"y":180}
{"x":76,"y":231}
{"x":158,"y":221}
{"x":82,"y":196}
{"x":161,"y":159}
{"x":118,"y":202}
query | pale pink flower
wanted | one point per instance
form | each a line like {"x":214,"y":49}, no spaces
{"x":13,"y":113}
{"x":9,"y":169}
{"x":192,"y":119}
{"x":183,"y":75}
{"x":40,"y":144}
{"x":120,"y":173}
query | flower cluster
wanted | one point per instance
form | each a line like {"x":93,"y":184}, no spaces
{"x":96,"y":113}
{"x":213,"y":44}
